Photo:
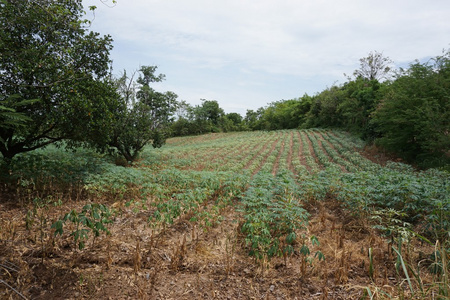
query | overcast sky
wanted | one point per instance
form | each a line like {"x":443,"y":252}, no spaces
{"x":248,"y":53}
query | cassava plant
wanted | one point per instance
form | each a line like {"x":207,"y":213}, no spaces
{"x":92,"y":218}
{"x":39,"y":214}
{"x":272,"y":217}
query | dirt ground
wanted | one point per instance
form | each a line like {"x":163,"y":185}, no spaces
{"x":185,"y":262}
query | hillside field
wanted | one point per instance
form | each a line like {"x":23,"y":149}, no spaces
{"x":289,"y":214}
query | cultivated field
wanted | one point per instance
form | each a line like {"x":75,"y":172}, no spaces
{"x":293,"y":214}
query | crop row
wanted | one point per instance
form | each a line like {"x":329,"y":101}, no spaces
{"x":303,"y":152}
{"x":275,"y":222}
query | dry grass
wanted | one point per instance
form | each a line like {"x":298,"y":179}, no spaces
{"x":185,"y":262}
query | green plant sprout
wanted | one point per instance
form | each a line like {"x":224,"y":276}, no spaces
{"x":92,"y":218}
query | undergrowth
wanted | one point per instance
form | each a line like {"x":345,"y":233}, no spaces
{"x":397,"y":202}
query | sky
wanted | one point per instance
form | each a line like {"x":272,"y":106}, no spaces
{"x":246,"y":54}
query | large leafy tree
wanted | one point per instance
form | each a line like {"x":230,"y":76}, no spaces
{"x":251,"y":119}
{"x":281,"y":114}
{"x":53,"y":75}
{"x":143,"y":114}
{"x":209,"y":111}
{"x":324,"y":108}
{"x":207,"y":116}
{"x":413,"y":118}
{"x":232,"y":122}
{"x":360,"y":100}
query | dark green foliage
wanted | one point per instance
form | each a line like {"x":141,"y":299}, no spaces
{"x":205,"y":118}
{"x":284,"y":114}
{"x":53,"y":84}
{"x":324,"y":109}
{"x":181,"y":127}
{"x":209,"y":111}
{"x":10,"y":117}
{"x":232,"y":122}
{"x":361,"y":99}
{"x":281,"y":115}
{"x":235,"y":118}
{"x":252,"y":118}
{"x":413,"y":119}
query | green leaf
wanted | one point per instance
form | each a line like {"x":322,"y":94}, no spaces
{"x":304,"y":250}
{"x":315,"y":241}
{"x":58,"y":226}
{"x":320,"y":255}
{"x":405,"y":270}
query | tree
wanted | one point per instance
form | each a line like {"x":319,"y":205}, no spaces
{"x":143,"y":115}
{"x":207,"y":116}
{"x":250,"y":119}
{"x":185,"y":118}
{"x":324,"y":108}
{"x":413,"y":118}
{"x":253,"y":119}
{"x":374,"y":67}
{"x":53,"y":75}
{"x":360,"y":101}
{"x":235,"y":118}
{"x":184,"y":110}
{"x":10,"y":118}
{"x":210,"y":111}
{"x":232,"y":122}
{"x":302,"y":108}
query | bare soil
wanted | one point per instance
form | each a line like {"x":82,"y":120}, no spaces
{"x":185,"y":262}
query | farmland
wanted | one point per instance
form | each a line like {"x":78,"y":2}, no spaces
{"x":289,"y":214}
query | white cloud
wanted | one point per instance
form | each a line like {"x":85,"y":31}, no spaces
{"x":247,"y":51}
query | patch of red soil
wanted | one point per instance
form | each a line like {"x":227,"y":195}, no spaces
{"x":378,"y":155}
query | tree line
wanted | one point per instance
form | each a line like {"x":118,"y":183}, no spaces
{"x":405,"y":111}
{"x":56,"y":87}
